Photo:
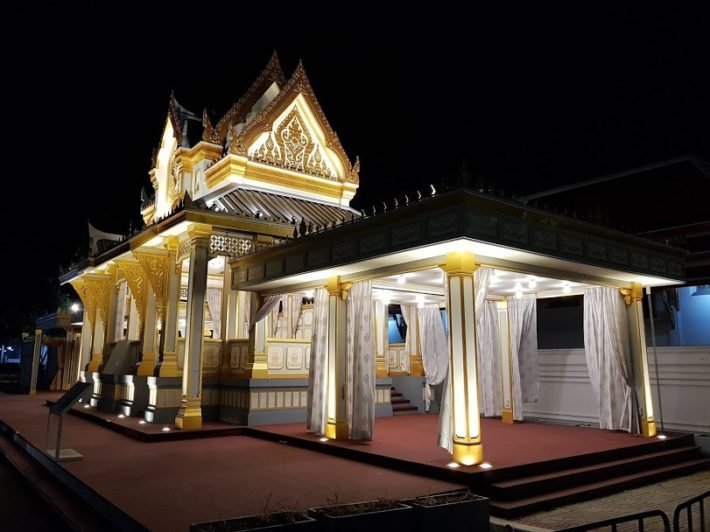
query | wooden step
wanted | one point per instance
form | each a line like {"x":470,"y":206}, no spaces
{"x":562,"y":478}
{"x":568,"y":495}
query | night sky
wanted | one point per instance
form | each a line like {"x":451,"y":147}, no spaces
{"x":524,"y":99}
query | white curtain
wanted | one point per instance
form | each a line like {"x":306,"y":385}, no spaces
{"x":244,"y":328}
{"x":489,"y":378}
{"x":408,"y":314}
{"x":270,"y":303}
{"x":360,"y":366}
{"x":214,"y":304}
{"x":606,"y":345}
{"x":295,"y":302}
{"x":317,"y":374}
{"x":523,"y":345}
{"x":435,"y":350}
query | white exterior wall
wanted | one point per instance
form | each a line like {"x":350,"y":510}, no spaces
{"x":566,"y":393}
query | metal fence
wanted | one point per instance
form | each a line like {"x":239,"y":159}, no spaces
{"x":691,"y":514}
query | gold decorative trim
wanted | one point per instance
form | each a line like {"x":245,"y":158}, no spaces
{"x":235,"y":166}
{"x":297,"y":85}
{"x":271,"y":73}
{"x":156,"y":266}
{"x":135,"y":277}
{"x":86,"y":296}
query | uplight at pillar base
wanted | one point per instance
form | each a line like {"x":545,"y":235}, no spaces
{"x":468,"y":454}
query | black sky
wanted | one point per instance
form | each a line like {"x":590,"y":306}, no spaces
{"x":526,"y":98}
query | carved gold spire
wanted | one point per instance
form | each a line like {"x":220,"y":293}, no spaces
{"x":209,"y":132}
{"x":136,"y":279}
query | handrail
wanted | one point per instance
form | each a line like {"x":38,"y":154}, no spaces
{"x":688,"y":507}
{"x":639,"y":517}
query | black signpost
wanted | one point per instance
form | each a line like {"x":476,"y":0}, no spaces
{"x":63,"y":404}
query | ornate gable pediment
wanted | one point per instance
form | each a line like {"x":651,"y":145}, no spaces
{"x":292,"y":145}
{"x":292,"y":132}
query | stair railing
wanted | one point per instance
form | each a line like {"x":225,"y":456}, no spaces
{"x":613,"y":523}
{"x":688,"y":508}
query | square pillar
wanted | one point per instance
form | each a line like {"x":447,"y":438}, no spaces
{"x":168,"y":365}
{"x":150,"y":337}
{"x":189,"y":415}
{"x":637,"y":333}
{"x":506,"y":364}
{"x":461,"y":306}
{"x":336,"y":422}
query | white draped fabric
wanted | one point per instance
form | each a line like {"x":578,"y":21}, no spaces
{"x":318,"y":375}
{"x":487,"y":349}
{"x":489,"y":376}
{"x":245,"y":299}
{"x":270,"y":303}
{"x":432,"y":339}
{"x":408,"y":314}
{"x":360,"y":366}
{"x":606,"y":345}
{"x":295,"y":302}
{"x":435,"y":356}
{"x":214,"y":304}
{"x":523,"y":344}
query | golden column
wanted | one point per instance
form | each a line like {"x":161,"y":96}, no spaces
{"x":637,"y":333}
{"x":135,"y":278}
{"x":256,"y":366}
{"x":506,"y":364}
{"x":168,"y":365}
{"x":87,"y":328}
{"x":189,"y":415}
{"x":337,"y":424}
{"x":461,"y":307}
{"x":100,"y":286}
{"x":229,"y":319}
{"x":380,"y":338}
{"x":156,"y":267}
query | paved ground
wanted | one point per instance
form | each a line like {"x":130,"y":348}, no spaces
{"x":21,"y":507}
{"x":663,"y":495}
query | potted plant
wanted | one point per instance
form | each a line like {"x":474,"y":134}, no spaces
{"x":461,"y":509}
{"x":272,"y":516}
{"x":378,"y":514}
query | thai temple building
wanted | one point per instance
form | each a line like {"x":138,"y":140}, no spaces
{"x":255,"y":294}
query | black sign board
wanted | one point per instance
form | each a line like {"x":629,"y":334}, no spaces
{"x":66,"y":401}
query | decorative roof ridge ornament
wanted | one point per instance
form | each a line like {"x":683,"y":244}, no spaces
{"x":299,"y":83}
{"x":271,"y":73}
{"x":178,"y":115}
{"x":209,"y":132}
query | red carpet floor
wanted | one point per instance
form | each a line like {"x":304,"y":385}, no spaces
{"x":413,"y":438}
{"x":168,"y":485}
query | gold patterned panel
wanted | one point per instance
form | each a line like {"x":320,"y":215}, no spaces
{"x":156,"y":266}
{"x":299,"y":85}
{"x":100,"y":287}
{"x":292,"y":147}
{"x":86,"y":297}
{"x":136,"y":279}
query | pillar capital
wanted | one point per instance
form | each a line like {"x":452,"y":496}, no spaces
{"x":337,"y":288}
{"x":460,"y":263}
{"x":199,"y":234}
{"x":633,"y":294}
